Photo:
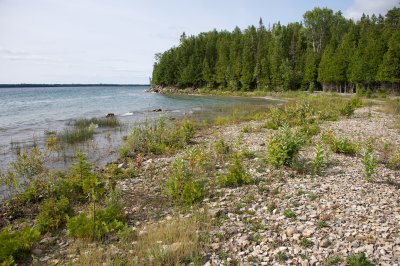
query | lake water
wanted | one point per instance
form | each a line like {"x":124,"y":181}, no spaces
{"x":26,"y":113}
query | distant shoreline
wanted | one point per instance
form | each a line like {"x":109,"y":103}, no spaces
{"x":66,"y":85}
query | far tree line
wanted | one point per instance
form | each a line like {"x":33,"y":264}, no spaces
{"x":325,"y":51}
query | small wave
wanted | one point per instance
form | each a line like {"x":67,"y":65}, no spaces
{"x":128,"y":114}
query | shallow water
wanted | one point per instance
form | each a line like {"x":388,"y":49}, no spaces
{"x":27,"y":113}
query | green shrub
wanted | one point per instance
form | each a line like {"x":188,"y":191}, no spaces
{"x":283,"y":147}
{"x":27,"y":167}
{"x":359,"y":259}
{"x":309,"y":130}
{"x":17,"y":244}
{"x":236,"y":176}
{"x":292,"y":114}
{"x":53,"y":213}
{"x":369,"y":163}
{"x":158,"y":138}
{"x":101,"y":222}
{"x":81,"y":182}
{"x":221,"y":148}
{"x":344,"y":146}
{"x":319,"y":161}
{"x":181,"y":185}
{"x":394,"y":161}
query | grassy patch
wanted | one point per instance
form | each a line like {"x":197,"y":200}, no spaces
{"x":158,"y":138}
{"x":76,"y":135}
{"x":100,"y":122}
{"x":359,"y":259}
{"x":289,"y":214}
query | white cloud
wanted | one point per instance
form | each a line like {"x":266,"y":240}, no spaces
{"x":20,"y":55}
{"x":369,"y":7}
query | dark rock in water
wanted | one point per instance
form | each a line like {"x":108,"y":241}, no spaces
{"x":110,"y":115}
{"x":157,"y":110}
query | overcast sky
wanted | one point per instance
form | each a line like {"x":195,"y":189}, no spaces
{"x":114,"y":41}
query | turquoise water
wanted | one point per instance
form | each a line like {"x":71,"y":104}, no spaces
{"x":26,"y":113}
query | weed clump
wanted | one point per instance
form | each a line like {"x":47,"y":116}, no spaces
{"x":359,"y":259}
{"x":236,"y":176}
{"x":76,"y":135}
{"x":341,"y":145}
{"x":158,"y":138}
{"x":284,"y":146}
{"x":111,"y":121}
{"x":181,"y":186}
{"x":319,"y":161}
{"x":369,"y":163}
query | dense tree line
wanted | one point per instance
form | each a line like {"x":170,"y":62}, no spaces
{"x":325,"y":51}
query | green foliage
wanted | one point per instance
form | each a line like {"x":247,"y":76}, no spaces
{"x":305,"y":242}
{"x":158,"y":138}
{"x":334,"y":260}
{"x":236,"y":176}
{"x":325,"y":49}
{"x":319,"y":161}
{"x":101,"y":222}
{"x":17,"y":244}
{"x":221,"y":147}
{"x":394,"y":160}
{"x":283,"y":147}
{"x":359,"y":259}
{"x":181,"y":185}
{"x":105,"y":222}
{"x":76,"y":135}
{"x":322,"y":224}
{"x":27,"y":167}
{"x":82,"y":182}
{"x":369,"y":162}
{"x":111,"y":121}
{"x":289,"y":214}
{"x":342,"y":145}
{"x":53,"y":213}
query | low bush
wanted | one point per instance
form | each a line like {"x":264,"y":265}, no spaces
{"x":181,"y":185}
{"x":96,"y":226}
{"x":53,"y":213}
{"x":17,"y":244}
{"x":158,"y":138}
{"x":101,"y":222}
{"x":236,"y":176}
{"x":343,"y":145}
{"x":81,"y":182}
{"x":284,"y":146}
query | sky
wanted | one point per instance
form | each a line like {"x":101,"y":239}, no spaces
{"x":114,"y":41}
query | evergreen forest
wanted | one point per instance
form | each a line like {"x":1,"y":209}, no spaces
{"x":325,"y":51}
